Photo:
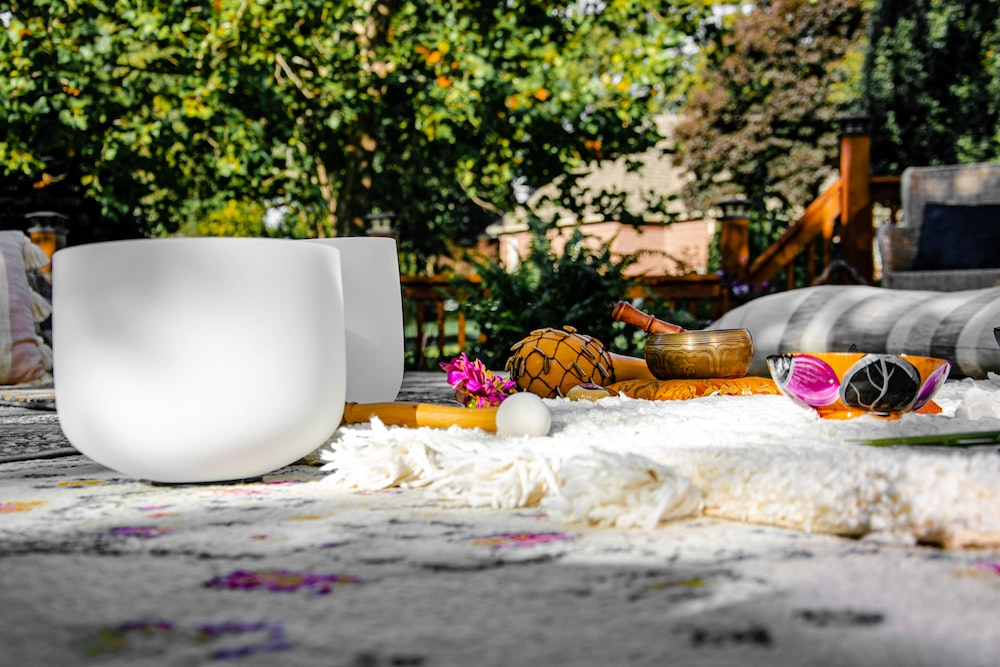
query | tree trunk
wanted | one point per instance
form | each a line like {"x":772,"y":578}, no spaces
{"x":354,"y":202}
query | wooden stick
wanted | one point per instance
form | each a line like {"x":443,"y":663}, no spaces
{"x":629,"y":368}
{"x":629,"y":314}
{"x":415,"y":415}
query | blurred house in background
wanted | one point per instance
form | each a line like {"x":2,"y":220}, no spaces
{"x":671,"y":243}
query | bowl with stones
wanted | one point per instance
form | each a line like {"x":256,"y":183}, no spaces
{"x":844,"y":385}
{"x":700,"y":354}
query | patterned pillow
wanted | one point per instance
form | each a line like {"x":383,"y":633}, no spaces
{"x":957,"y":326}
{"x":23,"y":354}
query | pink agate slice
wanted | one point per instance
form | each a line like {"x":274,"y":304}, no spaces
{"x":931,"y":385}
{"x":805,"y":378}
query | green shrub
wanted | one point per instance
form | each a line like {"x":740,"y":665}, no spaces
{"x":578,"y":288}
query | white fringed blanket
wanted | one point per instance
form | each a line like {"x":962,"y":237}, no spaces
{"x":634,"y":463}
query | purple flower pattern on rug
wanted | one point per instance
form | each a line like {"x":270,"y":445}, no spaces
{"x":144,"y":637}
{"x":144,"y":532}
{"x":281,"y":581}
{"x":276,"y":638}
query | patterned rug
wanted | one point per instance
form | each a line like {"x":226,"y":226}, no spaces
{"x":97,"y":568}
{"x":29,"y":428}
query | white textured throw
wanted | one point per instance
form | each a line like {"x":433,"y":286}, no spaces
{"x":633,"y":463}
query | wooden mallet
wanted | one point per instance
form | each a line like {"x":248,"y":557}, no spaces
{"x":629,"y":314}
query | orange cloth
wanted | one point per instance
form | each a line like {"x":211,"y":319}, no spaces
{"x":930,"y":408}
{"x":666,"y":390}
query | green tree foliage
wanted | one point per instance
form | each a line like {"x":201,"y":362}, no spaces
{"x":167,"y":109}
{"x":235,"y":219}
{"x":761,"y":122}
{"x":932,"y":83}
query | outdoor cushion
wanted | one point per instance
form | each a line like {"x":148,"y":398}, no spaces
{"x":23,"y":354}
{"x":957,"y":326}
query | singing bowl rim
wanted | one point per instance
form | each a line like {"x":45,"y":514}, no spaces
{"x":681,"y":343}
{"x":698,"y":337}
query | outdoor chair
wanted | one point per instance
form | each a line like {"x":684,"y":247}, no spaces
{"x":949,"y":236}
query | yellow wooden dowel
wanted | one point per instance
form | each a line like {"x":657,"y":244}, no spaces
{"x":415,"y":415}
{"x":630,"y":368}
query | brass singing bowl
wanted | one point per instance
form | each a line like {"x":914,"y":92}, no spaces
{"x":700,"y":354}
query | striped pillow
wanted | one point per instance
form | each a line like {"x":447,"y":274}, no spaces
{"x":957,"y":326}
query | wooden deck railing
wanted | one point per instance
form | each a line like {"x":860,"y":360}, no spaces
{"x":818,"y":220}
{"x":688,"y":291}
{"x":423,"y":295}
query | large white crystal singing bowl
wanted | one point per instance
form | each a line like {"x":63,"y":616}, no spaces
{"x":373,"y":317}
{"x":198,"y":360}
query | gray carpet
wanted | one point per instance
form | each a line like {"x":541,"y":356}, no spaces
{"x":97,"y":568}
{"x":29,"y":426}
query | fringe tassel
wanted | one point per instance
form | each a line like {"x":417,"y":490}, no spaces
{"x":46,"y":353}
{"x":34,"y":257}
{"x":40,"y":306}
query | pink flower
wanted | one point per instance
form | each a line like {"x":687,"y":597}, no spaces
{"x":474,"y":385}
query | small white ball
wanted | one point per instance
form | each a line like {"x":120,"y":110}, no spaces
{"x":523,"y":413}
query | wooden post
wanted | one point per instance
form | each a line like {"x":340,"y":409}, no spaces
{"x":734,"y":238}
{"x":857,"y":235}
{"x":734,"y":242}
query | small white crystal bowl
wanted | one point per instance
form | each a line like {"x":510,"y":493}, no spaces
{"x":373,"y":316}
{"x":200,"y":359}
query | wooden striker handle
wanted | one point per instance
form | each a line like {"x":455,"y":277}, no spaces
{"x":415,"y":415}
{"x":630,"y":368}
{"x":629,"y":314}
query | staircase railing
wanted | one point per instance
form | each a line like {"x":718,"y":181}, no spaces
{"x":819,"y":220}
{"x":844,"y":212}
